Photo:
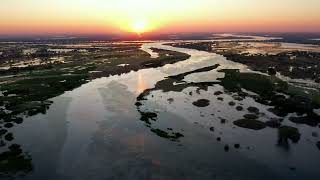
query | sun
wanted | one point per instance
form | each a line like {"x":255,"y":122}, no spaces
{"x":139,"y":26}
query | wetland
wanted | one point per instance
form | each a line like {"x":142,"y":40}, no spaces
{"x":210,"y":109}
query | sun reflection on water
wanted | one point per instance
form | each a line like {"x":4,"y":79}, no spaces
{"x":141,"y":84}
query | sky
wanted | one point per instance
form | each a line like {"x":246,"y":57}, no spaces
{"x":165,"y":16}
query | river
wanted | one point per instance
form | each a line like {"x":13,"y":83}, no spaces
{"x":95,"y":132}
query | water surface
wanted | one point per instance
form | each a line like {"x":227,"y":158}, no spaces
{"x":96,"y":132}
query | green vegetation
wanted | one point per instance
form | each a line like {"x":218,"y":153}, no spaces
{"x":201,"y":103}
{"x":14,"y":162}
{"x":286,"y":133}
{"x":172,"y":136}
{"x":26,"y":90}
{"x":289,"y":62}
{"x":268,"y":88}
{"x":250,"y":124}
{"x":263,"y":85}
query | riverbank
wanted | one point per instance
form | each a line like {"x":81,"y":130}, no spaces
{"x":296,"y":61}
{"x":25,"y":91}
{"x":172,"y":121}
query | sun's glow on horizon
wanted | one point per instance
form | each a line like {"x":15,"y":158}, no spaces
{"x":140,"y":16}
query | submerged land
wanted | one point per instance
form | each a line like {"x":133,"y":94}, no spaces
{"x":238,"y":94}
{"x":31,"y":74}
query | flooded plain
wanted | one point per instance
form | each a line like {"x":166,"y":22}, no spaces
{"x":201,"y":118}
{"x":179,"y":121}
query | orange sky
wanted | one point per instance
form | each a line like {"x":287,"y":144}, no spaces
{"x":114,"y":16}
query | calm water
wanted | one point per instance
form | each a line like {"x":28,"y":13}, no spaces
{"x":95,"y":132}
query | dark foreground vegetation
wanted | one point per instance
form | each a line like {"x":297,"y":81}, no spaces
{"x":26,"y":87}
{"x":293,"y":64}
{"x":284,"y":99}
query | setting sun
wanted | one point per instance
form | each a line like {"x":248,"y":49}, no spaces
{"x":139,"y":26}
{"x":140,"y":16}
